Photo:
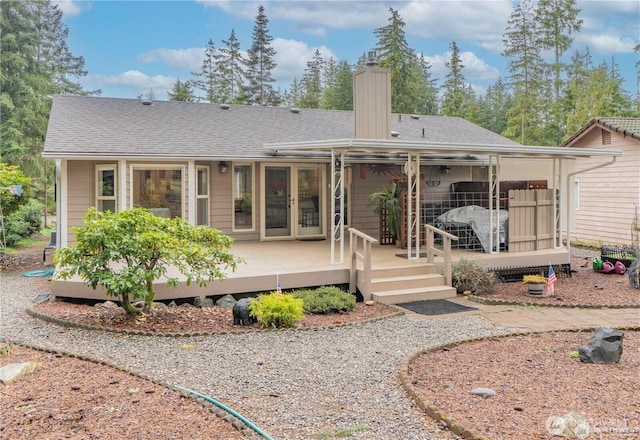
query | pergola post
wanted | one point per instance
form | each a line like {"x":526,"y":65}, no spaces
{"x":412,"y":169}
{"x":494,"y":203}
{"x":337,"y":201}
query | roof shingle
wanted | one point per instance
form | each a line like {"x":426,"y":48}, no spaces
{"x":93,"y":126}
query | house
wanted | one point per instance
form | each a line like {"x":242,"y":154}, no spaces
{"x":276,"y":175}
{"x":606,"y":199}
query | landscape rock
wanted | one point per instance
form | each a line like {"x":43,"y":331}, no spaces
{"x":12,"y":372}
{"x":202,"y":301}
{"x":107,"y":305}
{"x":605,"y":347}
{"x":484,"y":392}
{"x":227,"y":301}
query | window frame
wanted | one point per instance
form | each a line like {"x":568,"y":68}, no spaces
{"x":234,"y":188}
{"x":99,"y":197}
{"x":161,"y":166}
{"x":206,"y":196}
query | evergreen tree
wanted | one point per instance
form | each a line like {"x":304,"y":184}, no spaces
{"x":525,"y":68}
{"x":312,"y":82}
{"x":231,"y":70}
{"x":395,"y":54}
{"x":454,"y":99}
{"x":208,"y":78}
{"x":339,"y":93}
{"x":424,"y":90}
{"x":494,"y":106}
{"x":260,"y":64}
{"x":636,"y":49}
{"x":577,"y":105}
{"x":292,"y":97}
{"x":181,"y":91}
{"x":35,"y":64}
{"x":619,"y":101}
{"x":557,"y":20}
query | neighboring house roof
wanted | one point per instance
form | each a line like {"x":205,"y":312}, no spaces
{"x":88,"y":127}
{"x":625,"y":126}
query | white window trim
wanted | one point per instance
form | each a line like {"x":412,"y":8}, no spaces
{"x":253,"y":197}
{"x":156,"y":166}
{"x":103,"y":167}
{"x":207,"y":196}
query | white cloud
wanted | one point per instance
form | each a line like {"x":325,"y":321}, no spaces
{"x":607,"y":44}
{"x":475,"y":69}
{"x":190,"y":58}
{"x":72,"y":8}
{"x":311,"y":17}
{"x":291,"y":59}
{"x":134,"y":81}
{"x":480,"y":22}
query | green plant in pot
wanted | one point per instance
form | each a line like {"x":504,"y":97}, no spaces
{"x":388,"y":200}
{"x":535,"y":284}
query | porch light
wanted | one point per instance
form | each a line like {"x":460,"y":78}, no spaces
{"x":445,"y":169}
{"x":223,"y":167}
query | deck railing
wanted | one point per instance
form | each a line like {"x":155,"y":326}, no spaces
{"x":355,"y":237}
{"x":445,"y":252}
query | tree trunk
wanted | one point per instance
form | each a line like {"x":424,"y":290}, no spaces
{"x":148,"y":300}
{"x":126,"y":305}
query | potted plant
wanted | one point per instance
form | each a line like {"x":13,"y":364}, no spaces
{"x":387,"y":201}
{"x":535,"y":284}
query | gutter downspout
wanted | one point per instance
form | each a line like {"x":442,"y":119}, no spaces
{"x":570,"y":193}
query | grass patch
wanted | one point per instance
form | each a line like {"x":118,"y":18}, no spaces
{"x":340,"y":433}
{"x":36,"y":240}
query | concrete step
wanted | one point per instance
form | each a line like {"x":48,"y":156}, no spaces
{"x":407,"y":282}
{"x":416,"y":294}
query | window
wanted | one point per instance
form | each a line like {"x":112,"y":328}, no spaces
{"x":158,"y":189}
{"x":576,"y":195}
{"x":106,"y":188}
{"x":202,"y":196}
{"x":243,"y":197}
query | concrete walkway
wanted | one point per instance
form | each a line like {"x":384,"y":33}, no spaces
{"x":533,"y":318}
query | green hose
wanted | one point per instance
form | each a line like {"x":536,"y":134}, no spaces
{"x":229,"y":410}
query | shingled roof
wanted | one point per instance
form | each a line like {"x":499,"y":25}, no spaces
{"x":85,"y":127}
{"x":625,"y":126}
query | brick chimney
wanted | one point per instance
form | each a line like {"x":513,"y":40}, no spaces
{"x":372,"y":101}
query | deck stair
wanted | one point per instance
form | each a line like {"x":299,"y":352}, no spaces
{"x":413,"y":282}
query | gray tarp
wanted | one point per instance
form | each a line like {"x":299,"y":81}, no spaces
{"x":478,"y":218}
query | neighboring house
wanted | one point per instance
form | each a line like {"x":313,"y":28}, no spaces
{"x":606,"y":199}
{"x":264,"y":174}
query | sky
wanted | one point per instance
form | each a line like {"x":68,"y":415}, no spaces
{"x":132,"y":47}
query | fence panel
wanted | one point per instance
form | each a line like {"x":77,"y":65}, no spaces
{"x":531,"y":219}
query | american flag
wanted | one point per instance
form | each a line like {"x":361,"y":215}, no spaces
{"x":278,"y":283}
{"x":551,"y":281}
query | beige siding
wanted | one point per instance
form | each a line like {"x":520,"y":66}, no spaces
{"x":222,"y":204}
{"x":80,"y":182}
{"x":362,"y":216}
{"x":372,"y":103}
{"x":608,"y":196}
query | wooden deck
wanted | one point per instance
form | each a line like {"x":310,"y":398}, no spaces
{"x":304,"y":264}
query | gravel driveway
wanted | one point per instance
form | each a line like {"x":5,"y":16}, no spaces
{"x":292,"y":384}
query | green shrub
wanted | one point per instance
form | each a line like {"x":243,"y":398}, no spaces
{"x":23,"y":222}
{"x":326,"y":299}
{"x":277,"y":310}
{"x":471,"y":276}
